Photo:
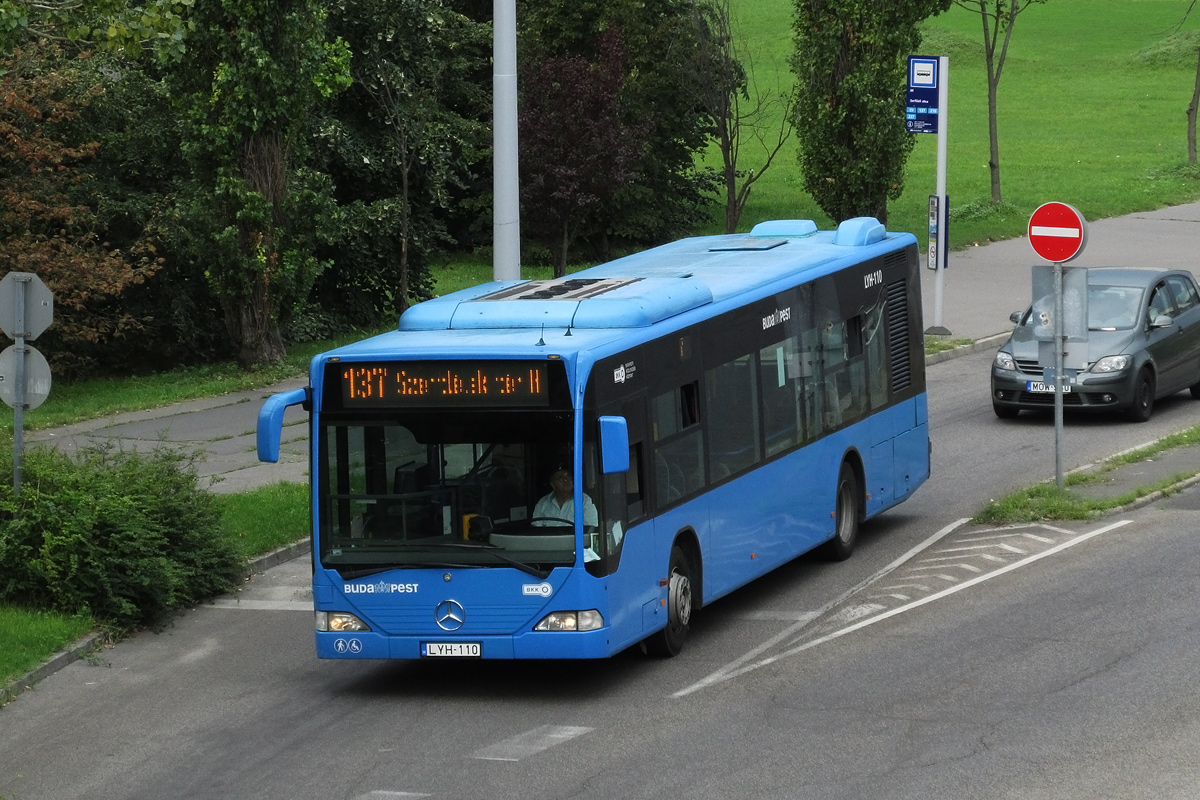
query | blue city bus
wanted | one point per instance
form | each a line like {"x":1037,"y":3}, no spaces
{"x":720,"y":405}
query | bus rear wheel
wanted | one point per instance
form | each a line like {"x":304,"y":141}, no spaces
{"x":669,"y":641}
{"x":845,"y":523}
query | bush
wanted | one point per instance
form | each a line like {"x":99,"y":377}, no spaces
{"x":126,"y":536}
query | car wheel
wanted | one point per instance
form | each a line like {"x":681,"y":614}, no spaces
{"x":669,"y":641}
{"x":1195,"y":390}
{"x":1143,"y":396}
{"x":845,"y":525}
{"x":1005,"y":412}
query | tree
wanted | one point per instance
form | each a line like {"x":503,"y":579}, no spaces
{"x":578,"y":145}
{"x":850,"y":67}
{"x":253,"y":73}
{"x":723,"y":87}
{"x":49,"y":224}
{"x":998,"y":17}
{"x":398,"y":144}
{"x":1191,"y":109}
{"x":671,"y":194}
{"x":159,"y":25}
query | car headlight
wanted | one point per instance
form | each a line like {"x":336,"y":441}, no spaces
{"x":590,"y":620}
{"x":1111,"y":364}
{"x":340,"y":621}
{"x":1005,"y":361}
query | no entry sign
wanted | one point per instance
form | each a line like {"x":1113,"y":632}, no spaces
{"x":1057,"y":232}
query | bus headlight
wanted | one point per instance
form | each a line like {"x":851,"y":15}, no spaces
{"x":590,"y":620}
{"x":340,"y":622}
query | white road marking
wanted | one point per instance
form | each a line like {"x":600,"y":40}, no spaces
{"x":779,"y":616}
{"x":729,"y":674}
{"x":733,"y":667}
{"x":528,"y":743}
{"x":382,"y":795}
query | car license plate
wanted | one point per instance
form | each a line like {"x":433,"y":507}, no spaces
{"x":1039,"y":387}
{"x":451,"y":649}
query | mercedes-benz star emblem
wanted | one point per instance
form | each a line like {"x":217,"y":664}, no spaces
{"x":449,"y":615}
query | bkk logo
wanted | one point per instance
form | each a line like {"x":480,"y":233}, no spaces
{"x":540,"y":589}
{"x":382,"y":587}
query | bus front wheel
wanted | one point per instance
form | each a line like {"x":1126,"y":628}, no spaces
{"x":669,"y":641}
{"x":845,"y":523}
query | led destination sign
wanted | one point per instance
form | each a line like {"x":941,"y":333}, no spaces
{"x":438,"y":384}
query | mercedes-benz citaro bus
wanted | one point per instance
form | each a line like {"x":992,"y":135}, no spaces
{"x":565,"y":468}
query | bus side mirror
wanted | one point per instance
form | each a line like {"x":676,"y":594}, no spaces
{"x":614,"y":445}
{"x":270,"y":422}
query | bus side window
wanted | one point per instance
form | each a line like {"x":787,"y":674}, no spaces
{"x":634,"y":500}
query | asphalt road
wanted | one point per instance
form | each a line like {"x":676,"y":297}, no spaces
{"x":1064,"y":665}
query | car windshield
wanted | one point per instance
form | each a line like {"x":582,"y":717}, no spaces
{"x":1112,"y":308}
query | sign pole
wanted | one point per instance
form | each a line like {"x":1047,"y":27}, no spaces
{"x":1060,"y":345}
{"x":939,"y":277}
{"x":1058,"y":233}
{"x":19,"y":406}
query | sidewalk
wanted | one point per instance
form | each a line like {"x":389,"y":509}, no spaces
{"x":221,"y":428}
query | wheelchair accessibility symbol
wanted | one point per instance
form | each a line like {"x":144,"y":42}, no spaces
{"x":348,"y":646}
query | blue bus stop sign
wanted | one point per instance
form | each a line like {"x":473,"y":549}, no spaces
{"x":921,"y":102}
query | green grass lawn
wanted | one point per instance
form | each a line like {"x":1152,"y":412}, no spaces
{"x":1086,"y":116}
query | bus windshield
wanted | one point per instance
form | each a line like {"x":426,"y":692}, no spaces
{"x":446,"y":489}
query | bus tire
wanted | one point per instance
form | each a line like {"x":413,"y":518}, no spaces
{"x":845,"y":516}
{"x":669,"y":641}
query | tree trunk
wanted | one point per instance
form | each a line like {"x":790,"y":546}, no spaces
{"x":560,"y":269}
{"x":1191,"y":116}
{"x":252,"y":326}
{"x":990,"y":40}
{"x":252,"y":320}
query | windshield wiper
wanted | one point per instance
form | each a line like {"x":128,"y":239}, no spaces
{"x":365,"y":571}
{"x":540,"y":574}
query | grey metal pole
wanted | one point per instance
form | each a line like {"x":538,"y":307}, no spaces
{"x":1059,"y":345}
{"x":19,"y":405}
{"x":506,"y":245}
{"x":943,"y":114}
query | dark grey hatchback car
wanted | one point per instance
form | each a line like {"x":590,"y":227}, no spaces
{"x":1143,"y":344}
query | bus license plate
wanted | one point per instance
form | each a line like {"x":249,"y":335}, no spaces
{"x":451,"y":649}
{"x":1038,"y":387}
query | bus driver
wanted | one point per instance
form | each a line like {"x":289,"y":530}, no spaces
{"x":559,"y":504}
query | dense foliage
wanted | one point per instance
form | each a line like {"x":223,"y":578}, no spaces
{"x":252,"y":75}
{"x":850,"y":64}
{"x":667,"y":194}
{"x":53,"y":215}
{"x":203,"y":180}
{"x":401,"y":145}
{"x":579,"y":147}
{"x":125,"y":536}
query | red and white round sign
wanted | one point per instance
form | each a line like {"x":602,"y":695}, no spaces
{"x":1057,"y":231}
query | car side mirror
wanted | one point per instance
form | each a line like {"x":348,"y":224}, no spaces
{"x":1162,"y":321}
{"x":1015,"y":317}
